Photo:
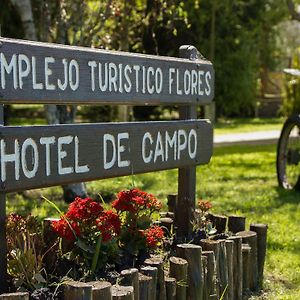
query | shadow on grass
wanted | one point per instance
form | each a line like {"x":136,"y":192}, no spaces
{"x":287,"y":196}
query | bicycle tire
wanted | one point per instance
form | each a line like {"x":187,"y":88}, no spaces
{"x":288,"y":154}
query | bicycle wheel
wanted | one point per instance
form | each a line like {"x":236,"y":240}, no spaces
{"x":288,"y":154}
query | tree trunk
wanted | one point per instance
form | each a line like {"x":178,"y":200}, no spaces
{"x":55,"y":114}
{"x":293,"y":12}
{"x":25,"y":11}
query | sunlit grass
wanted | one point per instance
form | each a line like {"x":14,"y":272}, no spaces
{"x":239,"y":180}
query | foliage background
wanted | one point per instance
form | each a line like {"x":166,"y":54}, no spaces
{"x":239,"y":36}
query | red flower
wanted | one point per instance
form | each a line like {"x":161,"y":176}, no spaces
{"x":62,"y":228}
{"x":109,"y":224}
{"x":134,"y":200}
{"x":124,"y":201}
{"x":154,"y":236}
{"x":82,"y":209}
{"x":204,"y":205}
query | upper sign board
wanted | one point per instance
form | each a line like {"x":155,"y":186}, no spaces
{"x":32,"y":72}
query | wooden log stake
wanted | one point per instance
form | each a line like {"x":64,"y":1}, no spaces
{"x":101,"y":290}
{"x":130,"y":277}
{"x":192,"y":253}
{"x":223,"y":265}
{"x":170,"y":288}
{"x":178,"y":270}
{"x":211,"y":272}
{"x":15,"y":296}
{"x":246,"y":250}
{"x":167,"y":224}
{"x":250,"y":238}
{"x":171,"y":215}
{"x":211,"y":245}
{"x":172,"y":200}
{"x":157,"y":261}
{"x":204,"y":276}
{"x":236,"y":223}
{"x":151,"y":272}
{"x":145,"y":287}
{"x":229,"y":253}
{"x":261,"y":231}
{"x":163,"y":214}
{"x":219,"y":222}
{"x":77,"y":290}
{"x":237,"y":267}
{"x":120,"y":292}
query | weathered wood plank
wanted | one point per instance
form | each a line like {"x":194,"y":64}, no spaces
{"x":33,"y":72}
{"x":40,"y":156}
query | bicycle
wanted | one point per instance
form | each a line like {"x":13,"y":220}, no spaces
{"x":288,"y":149}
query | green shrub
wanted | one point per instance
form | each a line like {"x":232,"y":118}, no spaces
{"x":291,"y":96}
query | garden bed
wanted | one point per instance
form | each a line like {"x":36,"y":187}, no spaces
{"x":129,"y":252}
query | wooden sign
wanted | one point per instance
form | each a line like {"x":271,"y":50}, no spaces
{"x":32,"y":72}
{"x":40,"y":156}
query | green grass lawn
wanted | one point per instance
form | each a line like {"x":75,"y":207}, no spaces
{"x":239,"y":180}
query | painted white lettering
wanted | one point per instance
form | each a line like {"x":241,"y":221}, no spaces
{"x":74,"y":70}
{"x":113,"y":75}
{"x":120,"y":78}
{"x":158,"y":80}
{"x":207,"y":81}
{"x":79,"y":169}
{"x":136,"y":69}
{"x":13,"y":157}
{"x":171,"y":143}
{"x":92,"y":64}
{"x":192,"y":152}
{"x":182,"y":142}
{"x":171,"y":72}
{"x":103,"y":86}
{"x":8,"y":68}
{"x":35,"y":158}
{"x":194,"y":82}
{"x":144,"y":80}
{"x":121,"y":149}
{"x":63,"y":86}
{"x":24,"y":68}
{"x":150,"y":87}
{"x":48,"y":73}
{"x":127,"y":84}
{"x":109,"y":138}
{"x":178,"y":90}
{"x":187,"y":82}
{"x":159,"y":150}
{"x":35,"y":85}
{"x":200,"y":75}
{"x":61,"y":154}
{"x":147,"y":158}
{"x":47,"y":141}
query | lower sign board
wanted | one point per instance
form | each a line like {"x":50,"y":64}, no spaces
{"x":41,"y":156}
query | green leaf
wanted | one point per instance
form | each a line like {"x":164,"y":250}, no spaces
{"x":39,"y":278}
{"x":84,"y":246}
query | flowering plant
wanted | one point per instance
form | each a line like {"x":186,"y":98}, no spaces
{"x":93,"y":235}
{"x":90,"y":232}
{"x":138,"y":235}
{"x":202,"y":226}
{"x":25,"y":252}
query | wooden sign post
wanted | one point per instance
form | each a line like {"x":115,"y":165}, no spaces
{"x":42,"y":156}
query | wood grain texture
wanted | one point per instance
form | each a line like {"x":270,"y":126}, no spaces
{"x":128,"y":147}
{"x":141,"y":72}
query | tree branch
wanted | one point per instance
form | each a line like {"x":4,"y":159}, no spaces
{"x":294,"y":14}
